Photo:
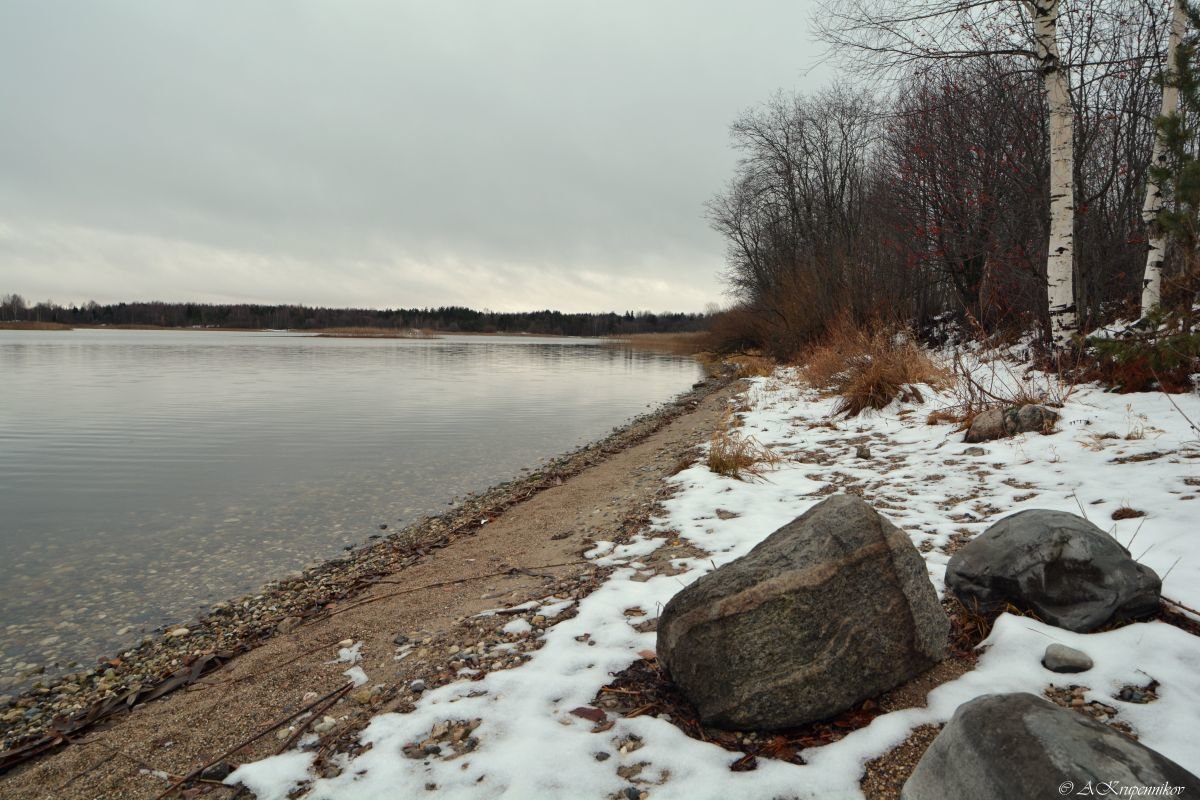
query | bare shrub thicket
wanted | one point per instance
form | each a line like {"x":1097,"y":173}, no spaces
{"x":990,"y":377}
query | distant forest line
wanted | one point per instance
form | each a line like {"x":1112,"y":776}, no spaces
{"x":447,"y":319}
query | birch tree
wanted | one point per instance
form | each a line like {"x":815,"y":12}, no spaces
{"x":1060,"y":258}
{"x":1156,"y":236}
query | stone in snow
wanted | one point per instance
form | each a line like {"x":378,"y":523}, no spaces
{"x":830,"y":609}
{"x":1057,"y":565}
{"x":1019,"y":746}
{"x":1060,"y":658}
{"x":997,"y":423}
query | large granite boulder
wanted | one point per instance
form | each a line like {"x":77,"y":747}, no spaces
{"x":832,"y":608}
{"x":1057,"y":565}
{"x":997,"y":423}
{"x":1018,"y":746}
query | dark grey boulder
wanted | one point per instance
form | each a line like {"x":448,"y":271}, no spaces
{"x":832,"y":608}
{"x":997,"y":423}
{"x":1057,"y":565}
{"x":1019,"y":746}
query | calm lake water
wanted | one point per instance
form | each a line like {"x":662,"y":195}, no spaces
{"x":145,"y":475}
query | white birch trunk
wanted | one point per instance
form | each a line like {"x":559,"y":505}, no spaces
{"x":1060,"y":259}
{"x":1155,"y":235}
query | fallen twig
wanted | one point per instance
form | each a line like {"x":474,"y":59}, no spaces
{"x":80,"y":774}
{"x":1171,"y":400}
{"x":267,"y":671}
{"x":1178,"y":604}
{"x":196,"y":772}
{"x":439,"y":584}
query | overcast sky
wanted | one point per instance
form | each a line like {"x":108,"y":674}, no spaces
{"x":503,"y":154}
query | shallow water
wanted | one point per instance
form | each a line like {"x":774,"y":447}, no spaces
{"x":146,"y":474}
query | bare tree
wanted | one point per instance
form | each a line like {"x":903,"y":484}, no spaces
{"x":917,"y":35}
{"x":796,"y":215}
{"x":12,"y":307}
{"x":966,"y":151}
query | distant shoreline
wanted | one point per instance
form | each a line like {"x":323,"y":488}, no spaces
{"x":34,"y":326}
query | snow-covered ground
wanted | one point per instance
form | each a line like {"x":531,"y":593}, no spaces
{"x":1110,"y":451}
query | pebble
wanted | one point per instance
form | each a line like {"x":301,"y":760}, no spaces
{"x":1060,"y":658}
{"x":862,"y":451}
{"x":1131,"y":694}
{"x":217,"y":772}
{"x":178,"y":633}
{"x":417,"y":686}
{"x":325,"y":725}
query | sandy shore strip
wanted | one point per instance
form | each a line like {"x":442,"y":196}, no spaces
{"x":409,"y":600}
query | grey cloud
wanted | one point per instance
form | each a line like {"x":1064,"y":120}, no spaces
{"x":546,"y":140}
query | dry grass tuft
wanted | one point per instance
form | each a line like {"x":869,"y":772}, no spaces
{"x":870,"y":366}
{"x":970,"y":623}
{"x":684,"y":343}
{"x":942,"y":415}
{"x":731,"y":454}
{"x":751,"y":366}
{"x":1125,"y":512}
